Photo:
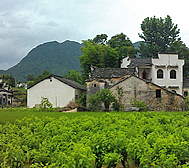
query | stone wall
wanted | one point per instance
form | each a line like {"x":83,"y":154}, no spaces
{"x":136,"y":88}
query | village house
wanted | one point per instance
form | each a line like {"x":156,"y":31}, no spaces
{"x":160,"y":77}
{"x":59,"y":91}
{"x":6,"y":94}
{"x":156,"y":97}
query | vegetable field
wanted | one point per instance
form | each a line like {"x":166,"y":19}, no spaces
{"x":148,"y":139}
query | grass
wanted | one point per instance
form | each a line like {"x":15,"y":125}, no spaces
{"x":10,"y":115}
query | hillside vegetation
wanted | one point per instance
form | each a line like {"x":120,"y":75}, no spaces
{"x":57,"y":58}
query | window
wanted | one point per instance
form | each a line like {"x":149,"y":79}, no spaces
{"x":158,"y":93}
{"x":186,"y":93}
{"x":144,"y":75}
{"x":172,"y":74}
{"x":160,"y":74}
{"x":94,"y":85}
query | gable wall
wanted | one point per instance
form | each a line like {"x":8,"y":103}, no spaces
{"x":142,"y":91}
{"x":58,"y":93}
{"x":167,"y":60}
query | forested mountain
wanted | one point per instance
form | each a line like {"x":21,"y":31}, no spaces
{"x":57,"y":58}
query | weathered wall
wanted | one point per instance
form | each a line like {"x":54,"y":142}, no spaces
{"x":135,"y":88}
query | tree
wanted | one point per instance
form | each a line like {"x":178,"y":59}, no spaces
{"x":45,"y":104}
{"x":41,"y":76}
{"x":100,"y":39}
{"x":99,"y":55}
{"x":30,"y":77}
{"x":158,"y":35}
{"x":123,"y":45}
{"x":75,"y":76}
{"x":10,"y":80}
{"x":183,"y":52}
{"x":37,"y":78}
{"x":102,"y":54}
{"x":104,"y":96}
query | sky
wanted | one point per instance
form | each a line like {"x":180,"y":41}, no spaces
{"x":24,"y":24}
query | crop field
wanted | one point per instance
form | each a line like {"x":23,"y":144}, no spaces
{"x":94,"y":140}
{"x":11,"y":115}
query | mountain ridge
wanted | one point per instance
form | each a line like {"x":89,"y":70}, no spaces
{"x":57,"y":58}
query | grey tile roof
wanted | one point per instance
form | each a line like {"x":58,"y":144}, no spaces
{"x":69,"y":82}
{"x":186,"y":81}
{"x":140,"y":62}
{"x":107,"y":73}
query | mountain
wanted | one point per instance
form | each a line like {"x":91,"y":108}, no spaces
{"x":136,"y":44}
{"x":57,"y":58}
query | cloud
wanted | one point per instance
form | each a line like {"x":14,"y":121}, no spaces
{"x":24,"y":24}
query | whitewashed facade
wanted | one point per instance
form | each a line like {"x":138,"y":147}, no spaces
{"x":58,"y":90}
{"x":166,"y":70}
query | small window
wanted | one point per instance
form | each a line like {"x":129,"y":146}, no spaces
{"x":144,"y":75}
{"x":160,"y":74}
{"x":186,"y":93}
{"x":94,"y":85}
{"x":158,"y":93}
{"x":172,"y":74}
{"x":50,"y":79}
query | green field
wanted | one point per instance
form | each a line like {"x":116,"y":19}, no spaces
{"x":93,"y":139}
{"x":10,"y":115}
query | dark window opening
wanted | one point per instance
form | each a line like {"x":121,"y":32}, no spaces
{"x":160,"y":74}
{"x":94,"y":85}
{"x":185,"y":93}
{"x":172,"y":74}
{"x":158,"y":93}
{"x":76,"y":97}
{"x":144,"y":75}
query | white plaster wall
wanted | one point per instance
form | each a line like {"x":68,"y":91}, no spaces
{"x":168,"y":59}
{"x":125,"y":62}
{"x":58,"y":93}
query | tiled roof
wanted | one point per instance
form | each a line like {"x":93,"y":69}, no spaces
{"x":186,"y":81}
{"x":4,"y":90}
{"x":69,"y":82}
{"x":107,"y":73}
{"x":140,"y":62}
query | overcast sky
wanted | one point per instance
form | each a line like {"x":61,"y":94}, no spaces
{"x":24,"y":24}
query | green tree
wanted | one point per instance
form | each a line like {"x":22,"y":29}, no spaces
{"x":45,"y":104}
{"x":30,"y":77}
{"x":99,"y":55}
{"x":10,"y":80}
{"x":123,"y":45}
{"x":158,"y":35}
{"x":104,"y":96}
{"x":41,"y":76}
{"x":37,"y":78}
{"x":100,"y":39}
{"x":183,"y":52}
{"x":75,"y":76}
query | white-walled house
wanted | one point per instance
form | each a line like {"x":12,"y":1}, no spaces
{"x":59,"y":90}
{"x":166,"y":70}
